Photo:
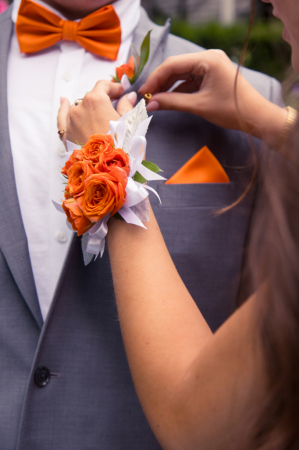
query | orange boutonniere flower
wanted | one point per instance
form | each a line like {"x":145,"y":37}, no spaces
{"x":136,"y":63}
{"x":126,"y":69}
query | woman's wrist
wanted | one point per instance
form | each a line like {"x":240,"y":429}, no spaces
{"x":269,"y":123}
{"x":274,"y":125}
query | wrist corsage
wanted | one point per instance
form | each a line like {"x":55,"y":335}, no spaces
{"x":105,"y":177}
{"x":127,"y":74}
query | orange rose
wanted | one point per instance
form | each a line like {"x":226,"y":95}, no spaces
{"x":75,"y":217}
{"x":75,"y":157}
{"x":77,"y":175}
{"x":109,"y":160}
{"x":97,"y":144}
{"x":104,"y":193}
{"x":127,"y":69}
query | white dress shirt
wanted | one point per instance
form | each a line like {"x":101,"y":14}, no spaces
{"x":35,"y":84}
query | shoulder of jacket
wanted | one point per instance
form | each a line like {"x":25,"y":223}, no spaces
{"x":174,"y":44}
{"x":6,"y":15}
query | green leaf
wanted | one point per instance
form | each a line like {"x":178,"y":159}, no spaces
{"x":144,"y":55}
{"x":135,"y":56}
{"x":115,"y":78}
{"x":139,"y":178}
{"x":151,"y":166}
{"x":118,"y":216}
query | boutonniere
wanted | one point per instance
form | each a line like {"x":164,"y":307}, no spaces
{"x":105,"y":177}
{"x":127,"y":74}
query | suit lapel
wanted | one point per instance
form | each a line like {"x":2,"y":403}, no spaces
{"x":157,"y":46}
{"x":13,"y":240}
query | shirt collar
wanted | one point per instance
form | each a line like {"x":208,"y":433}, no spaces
{"x":128,"y":12}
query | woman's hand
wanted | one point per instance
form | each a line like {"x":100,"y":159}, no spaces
{"x":210,"y":78}
{"x":93,"y":114}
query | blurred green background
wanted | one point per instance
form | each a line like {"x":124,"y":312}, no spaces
{"x":267,"y":51}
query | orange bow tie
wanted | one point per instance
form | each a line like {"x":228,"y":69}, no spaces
{"x":37,"y":28}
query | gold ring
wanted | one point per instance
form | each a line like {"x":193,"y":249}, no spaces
{"x":61,"y":133}
{"x":147,"y":97}
{"x":78,"y":101}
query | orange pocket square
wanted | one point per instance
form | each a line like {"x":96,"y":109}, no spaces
{"x":203,"y":167}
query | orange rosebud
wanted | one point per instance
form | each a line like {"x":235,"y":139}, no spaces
{"x":75,"y":157}
{"x":77,"y":175}
{"x":127,"y":69}
{"x":97,"y":144}
{"x":75,"y":217}
{"x":104,"y":193}
{"x":109,"y":160}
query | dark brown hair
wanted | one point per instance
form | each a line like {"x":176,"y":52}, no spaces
{"x":273,"y":261}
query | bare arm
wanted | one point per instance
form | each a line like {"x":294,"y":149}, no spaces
{"x":197,"y":389}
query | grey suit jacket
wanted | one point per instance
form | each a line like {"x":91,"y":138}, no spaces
{"x":88,"y":401}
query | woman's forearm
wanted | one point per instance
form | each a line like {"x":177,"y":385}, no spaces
{"x":187,"y":379}
{"x":162,"y":328}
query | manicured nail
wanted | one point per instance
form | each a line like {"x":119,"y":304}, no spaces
{"x":132,"y":97}
{"x":153,"y":106}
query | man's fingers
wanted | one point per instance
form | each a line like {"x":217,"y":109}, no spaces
{"x":113,"y":90}
{"x":62,"y":115}
{"x":126,"y":103}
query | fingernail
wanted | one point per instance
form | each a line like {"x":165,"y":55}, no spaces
{"x":132,"y":97}
{"x":61,"y":99}
{"x":153,"y":106}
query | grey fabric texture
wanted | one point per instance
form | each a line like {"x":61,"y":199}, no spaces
{"x":90,"y":402}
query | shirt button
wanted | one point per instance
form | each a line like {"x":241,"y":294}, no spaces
{"x":61,"y":237}
{"x":42,"y":376}
{"x":67,"y":76}
{"x":61,"y":151}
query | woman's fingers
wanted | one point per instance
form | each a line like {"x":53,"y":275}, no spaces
{"x":189,"y":87}
{"x":175,"y":68}
{"x":62,"y":117}
{"x":174,"y":101}
{"x":126,"y":103}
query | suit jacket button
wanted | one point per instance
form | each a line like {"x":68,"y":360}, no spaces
{"x":42,"y":376}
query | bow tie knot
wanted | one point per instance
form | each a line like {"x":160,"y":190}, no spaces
{"x":69,"y":30}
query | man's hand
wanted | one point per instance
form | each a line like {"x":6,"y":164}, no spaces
{"x":93,"y":114}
